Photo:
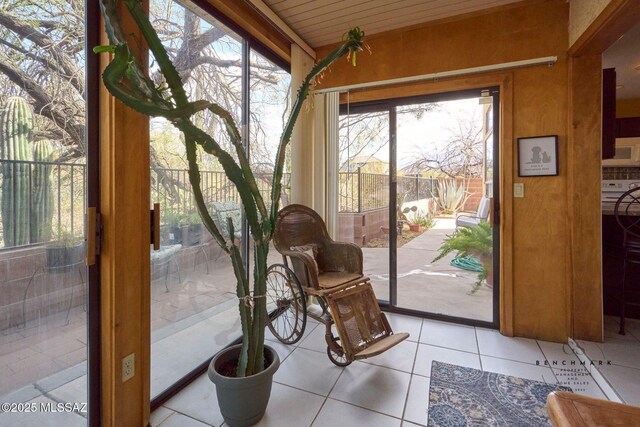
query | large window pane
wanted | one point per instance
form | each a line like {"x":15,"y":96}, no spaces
{"x":193,"y":303}
{"x":441,"y":154}
{"x":363,"y":192}
{"x":43,"y":281}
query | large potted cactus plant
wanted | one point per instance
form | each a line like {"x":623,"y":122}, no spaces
{"x":125,"y":79}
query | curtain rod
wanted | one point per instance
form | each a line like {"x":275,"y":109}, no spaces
{"x":549,"y":60}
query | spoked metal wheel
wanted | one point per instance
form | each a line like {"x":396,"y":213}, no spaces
{"x":285,"y":304}
{"x":338,"y":357}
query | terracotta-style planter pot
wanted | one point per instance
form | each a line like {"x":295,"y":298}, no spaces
{"x":414,"y":227}
{"x":243,"y":401}
{"x":487,"y":262}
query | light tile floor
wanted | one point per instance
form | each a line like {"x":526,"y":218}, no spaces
{"x":387,"y":390}
{"x":620,"y":357}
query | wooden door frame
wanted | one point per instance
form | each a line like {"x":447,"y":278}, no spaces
{"x":503,"y":80}
{"x":585,"y":320}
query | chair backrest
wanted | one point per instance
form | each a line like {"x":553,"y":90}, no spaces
{"x":297,"y":226}
{"x":483,"y":208}
{"x":224,"y":210}
{"x":627,"y":212}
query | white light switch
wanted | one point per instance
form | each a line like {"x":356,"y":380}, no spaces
{"x":518,"y":189}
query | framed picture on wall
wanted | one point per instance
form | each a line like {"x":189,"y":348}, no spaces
{"x":538,"y":156}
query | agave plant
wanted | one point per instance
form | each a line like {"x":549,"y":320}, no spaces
{"x":476,"y":241}
{"x":451,"y":195}
{"x":126,"y":80}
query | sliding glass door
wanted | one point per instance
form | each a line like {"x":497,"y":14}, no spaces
{"x":49,"y":299}
{"x":437,"y":165}
{"x":194,"y":308}
{"x":364,"y":191}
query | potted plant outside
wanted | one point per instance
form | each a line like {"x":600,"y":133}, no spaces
{"x":125,"y":79}
{"x":172,"y":223}
{"x":193,"y":229}
{"x":474,"y":241}
{"x":64,"y":251}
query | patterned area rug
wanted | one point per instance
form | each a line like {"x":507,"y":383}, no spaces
{"x":466,"y":397}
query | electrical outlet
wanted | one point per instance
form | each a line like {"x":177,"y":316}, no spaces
{"x":128,"y":367}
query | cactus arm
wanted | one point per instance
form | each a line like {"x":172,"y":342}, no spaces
{"x":159,"y":52}
{"x":231,"y":169}
{"x":42,"y":189}
{"x":236,"y":140}
{"x":261,"y":253}
{"x":351,"y":45}
{"x":194,"y":179}
{"x":242,"y":291}
{"x":16,"y":124}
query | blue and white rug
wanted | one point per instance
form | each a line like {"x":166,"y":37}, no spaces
{"x":467,"y":397}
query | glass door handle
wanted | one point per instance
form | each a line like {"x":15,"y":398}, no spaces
{"x":94,"y":230}
{"x":492,"y":212}
{"x":155,"y":226}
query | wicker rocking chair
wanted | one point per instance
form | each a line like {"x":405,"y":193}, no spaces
{"x":315,"y":265}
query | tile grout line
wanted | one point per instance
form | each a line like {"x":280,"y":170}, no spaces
{"x":544,"y":355}
{"x":326,"y":398}
{"x":415,"y":358}
{"x":475,"y":331}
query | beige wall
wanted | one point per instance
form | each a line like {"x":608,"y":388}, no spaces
{"x":582,"y":14}
{"x":536,"y":246}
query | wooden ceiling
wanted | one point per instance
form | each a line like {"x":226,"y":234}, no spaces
{"x":322,"y":22}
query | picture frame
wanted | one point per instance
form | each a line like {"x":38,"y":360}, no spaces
{"x":538,"y":156}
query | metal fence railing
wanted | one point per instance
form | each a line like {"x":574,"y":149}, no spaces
{"x":171,"y":188}
{"x":358,"y":192}
{"x":362,"y":192}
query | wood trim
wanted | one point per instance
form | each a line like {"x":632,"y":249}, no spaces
{"x":125,"y":260}
{"x":505,"y":82}
{"x":584,"y":204}
{"x":245,"y":16}
{"x":615,"y":20}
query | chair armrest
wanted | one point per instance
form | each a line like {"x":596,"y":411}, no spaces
{"x":341,"y":256}
{"x":309,"y":268}
{"x":467,"y":214}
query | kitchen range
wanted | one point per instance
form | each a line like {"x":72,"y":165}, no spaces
{"x":612,"y":189}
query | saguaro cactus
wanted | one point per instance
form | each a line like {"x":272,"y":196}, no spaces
{"x":42,"y":196}
{"x":16,"y":124}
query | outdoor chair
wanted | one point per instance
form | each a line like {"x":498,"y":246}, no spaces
{"x":224,"y":210}
{"x":482,"y":214}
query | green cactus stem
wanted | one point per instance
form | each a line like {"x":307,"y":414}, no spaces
{"x":42,"y":196}
{"x":16,"y":125}
{"x":126,"y":80}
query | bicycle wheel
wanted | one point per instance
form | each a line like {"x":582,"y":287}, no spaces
{"x":285,"y":304}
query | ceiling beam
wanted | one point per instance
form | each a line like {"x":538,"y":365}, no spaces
{"x":269,"y":14}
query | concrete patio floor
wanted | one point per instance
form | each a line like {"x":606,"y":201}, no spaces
{"x":431,"y":287}
{"x":196,"y":315}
